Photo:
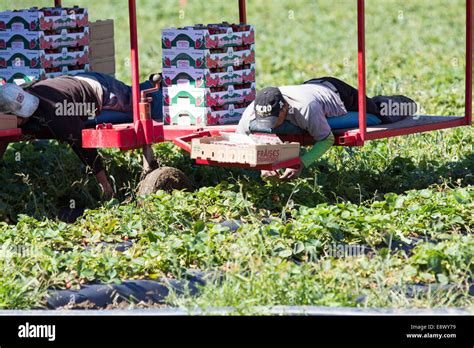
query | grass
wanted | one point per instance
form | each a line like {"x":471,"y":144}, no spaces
{"x":417,"y":187}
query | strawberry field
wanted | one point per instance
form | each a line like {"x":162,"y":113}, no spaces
{"x":387,"y":225}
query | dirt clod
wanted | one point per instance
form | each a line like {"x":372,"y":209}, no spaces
{"x":165,"y":178}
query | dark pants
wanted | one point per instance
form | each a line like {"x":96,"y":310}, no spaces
{"x":349,"y":95}
{"x":118,"y":97}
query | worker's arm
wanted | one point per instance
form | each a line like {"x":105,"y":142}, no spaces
{"x":69,"y":129}
{"x":4,"y":144}
{"x":244,"y":123}
{"x":107,"y":189}
{"x":3,"y":148}
{"x":318,"y":127}
{"x":318,"y":150}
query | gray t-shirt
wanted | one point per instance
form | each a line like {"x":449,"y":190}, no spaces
{"x":310,"y":104}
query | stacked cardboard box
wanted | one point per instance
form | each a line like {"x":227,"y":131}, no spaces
{"x":208,"y":72}
{"x":41,"y":43}
{"x":102,"y":48}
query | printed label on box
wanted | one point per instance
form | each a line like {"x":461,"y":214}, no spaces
{"x":25,"y":74}
{"x":33,"y":40}
{"x":43,"y":19}
{"x":205,"y":97}
{"x":213,"y":36}
{"x":40,"y":59}
{"x":202,"y":59}
{"x":206,"y":78}
{"x":188,"y":114}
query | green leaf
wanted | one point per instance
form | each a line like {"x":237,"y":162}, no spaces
{"x":399,"y":202}
{"x":443,"y":279}
{"x":425,"y":193}
{"x":152,"y":237}
{"x":298,"y":248}
{"x":285,"y":253}
{"x":427,"y":277}
{"x":199,"y":226}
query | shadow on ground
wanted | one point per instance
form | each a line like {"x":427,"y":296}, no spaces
{"x":49,"y":181}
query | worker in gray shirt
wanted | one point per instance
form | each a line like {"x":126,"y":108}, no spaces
{"x":307,"y":106}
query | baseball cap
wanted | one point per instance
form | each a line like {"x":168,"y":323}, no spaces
{"x":268,"y":104}
{"x":13,"y":99}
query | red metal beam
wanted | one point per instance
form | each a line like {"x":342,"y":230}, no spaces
{"x":134,"y":57}
{"x":108,"y":136}
{"x":10,"y":134}
{"x":350,"y":138}
{"x":468,"y":78}
{"x":414,"y":129}
{"x":361,"y":67}
{"x":242,"y":12}
{"x":57,"y":3}
{"x":121,"y":136}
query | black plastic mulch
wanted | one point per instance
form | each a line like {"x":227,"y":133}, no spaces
{"x":156,"y":291}
{"x":129,"y":291}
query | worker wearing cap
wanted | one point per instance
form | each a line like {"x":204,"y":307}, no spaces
{"x":40,"y":103}
{"x":306,"y":106}
{"x":43,"y":106}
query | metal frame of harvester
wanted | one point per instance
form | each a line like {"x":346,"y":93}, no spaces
{"x":144,"y":131}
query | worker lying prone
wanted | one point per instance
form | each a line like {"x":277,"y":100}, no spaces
{"x":308,"y":106}
{"x":60,"y":107}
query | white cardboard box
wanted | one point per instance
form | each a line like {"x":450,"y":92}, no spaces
{"x":224,"y":149}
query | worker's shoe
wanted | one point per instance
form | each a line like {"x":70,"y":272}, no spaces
{"x":395,"y":108}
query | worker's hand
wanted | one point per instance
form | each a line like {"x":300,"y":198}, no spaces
{"x":107,"y":189}
{"x":291,"y":173}
{"x":107,"y":192}
{"x":269,"y":174}
{"x":20,"y":121}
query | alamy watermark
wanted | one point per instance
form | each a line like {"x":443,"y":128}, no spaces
{"x":338,"y":250}
{"x":76,"y":109}
{"x":28,"y":330}
{"x":398,"y":108}
{"x":8,"y":251}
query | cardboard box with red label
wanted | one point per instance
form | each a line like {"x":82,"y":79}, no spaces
{"x":66,"y":70}
{"x":22,"y":75}
{"x":207,"y":97}
{"x":202,"y":78}
{"x":40,"y":59}
{"x":40,"y":40}
{"x":19,"y":76}
{"x":207,"y":59}
{"x":186,"y":114}
{"x":41,"y":43}
{"x":206,"y":37}
{"x":208,"y":73}
{"x":35,"y":19}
